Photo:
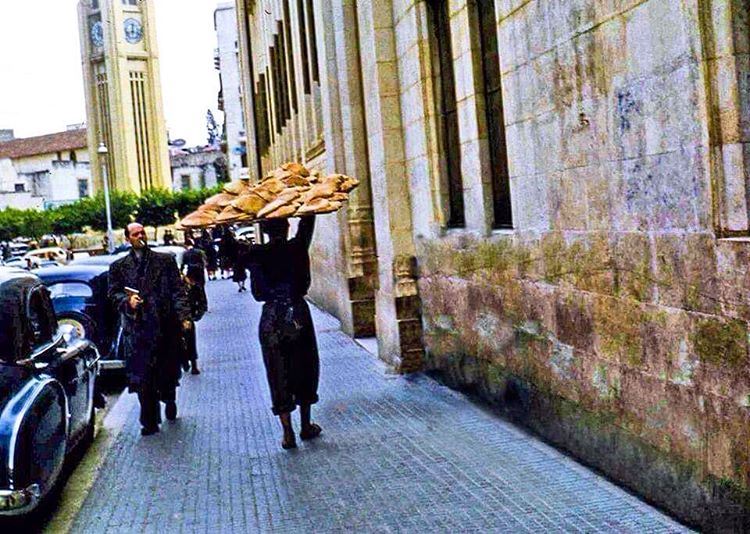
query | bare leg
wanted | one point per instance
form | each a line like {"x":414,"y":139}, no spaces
{"x":309,"y":430}
{"x":286,"y":424}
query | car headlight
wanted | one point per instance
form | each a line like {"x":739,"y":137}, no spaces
{"x":72,"y":329}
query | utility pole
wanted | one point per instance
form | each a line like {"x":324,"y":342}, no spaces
{"x":102,"y":151}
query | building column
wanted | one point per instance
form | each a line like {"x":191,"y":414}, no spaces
{"x":398,"y":305}
{"x":361,"y":255}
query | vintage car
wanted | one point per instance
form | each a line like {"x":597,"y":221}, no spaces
{"x":47,"y":381}
{"x":50,"y":253}
{"x":79,"y":296}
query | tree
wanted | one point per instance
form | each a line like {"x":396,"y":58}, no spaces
{"x":156,"y":207}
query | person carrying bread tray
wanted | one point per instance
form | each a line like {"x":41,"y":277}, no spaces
{"x":280,"y":278}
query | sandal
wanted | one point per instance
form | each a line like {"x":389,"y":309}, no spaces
{"x":311,"y":432}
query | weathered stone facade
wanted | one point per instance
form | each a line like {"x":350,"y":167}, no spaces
{"x":613,"y":317}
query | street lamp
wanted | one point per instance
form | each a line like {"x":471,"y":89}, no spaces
{"x":102,"y":151}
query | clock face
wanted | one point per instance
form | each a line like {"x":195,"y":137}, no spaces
{"x":97,"y":33}
{"x":133,"y":31}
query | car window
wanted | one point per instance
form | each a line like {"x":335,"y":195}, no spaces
{"x":70,"y":289}
{"x":41,"y":317}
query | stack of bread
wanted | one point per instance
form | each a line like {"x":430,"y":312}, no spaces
{"x":289,"y":191}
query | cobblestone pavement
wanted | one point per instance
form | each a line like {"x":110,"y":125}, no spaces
{"x":397,"y":454}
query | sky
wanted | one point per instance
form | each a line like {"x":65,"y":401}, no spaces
{"x":41,"y":85}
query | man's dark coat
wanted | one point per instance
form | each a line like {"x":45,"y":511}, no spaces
{"x":152,"y":336}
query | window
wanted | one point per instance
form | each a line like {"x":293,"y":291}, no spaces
{"x":303,"y":45}
{"x":261,"y":105}
{"x":290,"y":56}
{"x":313,"y":41}
{"x":41,"y":318}
{"x":202,"y":180}
{"x":94,"y":4}
{"x":130,"y":2}
{"x":185,"y":182}
{"x":73,"y":156}
{"x":83,"y":188}
{"x":70,"y":289}
{"x":442,"y":62}
{"x":494,"y":117}
{"x":20,"y":188}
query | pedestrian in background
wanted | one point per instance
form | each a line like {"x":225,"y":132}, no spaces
{"x":227,"y":252}
{"x":196,"y":293}
{"x":194,"y":262}
{"x":280,"y":278}
{"x":147,"y":289}
{"x":206,"y":244}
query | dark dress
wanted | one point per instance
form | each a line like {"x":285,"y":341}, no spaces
{"x":198,"y":307}
{"x":194,"y":262}
{"x":152,"y":335}
{"x":280,"y":278}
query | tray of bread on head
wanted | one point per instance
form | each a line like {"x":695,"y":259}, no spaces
{"x":289,"y":191}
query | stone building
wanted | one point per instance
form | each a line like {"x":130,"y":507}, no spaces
{"x":553,"y":212}
{"x":122,"y":85}
{"x":197,"y":168}
{"x":44,"y":171}
{"x":230,"y":96}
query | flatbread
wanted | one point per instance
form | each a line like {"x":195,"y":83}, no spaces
{"x":222,"y":200}
{"x":287,"y":197}
{"x":295,"y":180}
{"x":324,"y":190}
{"x":283,"y":212}
{"x":237,"y":187}
{"x":231,"y":215}
{"x":198,"y":219}
{"x":250,"y":203}
{"x":313,"y":205}
{"x":296,"y":168}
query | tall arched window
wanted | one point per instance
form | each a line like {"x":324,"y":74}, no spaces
{"x":442,"y":64}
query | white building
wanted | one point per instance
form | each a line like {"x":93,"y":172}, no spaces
{"x":196,"y":168}
{"x":44,"y":171}
{"x":230,"y":97}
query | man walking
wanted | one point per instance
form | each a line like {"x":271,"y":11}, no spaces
{"x":280,"y":278}
{"x":147,"y":289}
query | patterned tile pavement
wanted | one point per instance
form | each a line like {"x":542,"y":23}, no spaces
{"x":398,"y":454}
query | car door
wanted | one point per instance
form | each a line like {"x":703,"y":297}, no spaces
{"x":64,"y":361}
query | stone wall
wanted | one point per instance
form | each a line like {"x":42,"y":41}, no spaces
{"x":613,"y":319}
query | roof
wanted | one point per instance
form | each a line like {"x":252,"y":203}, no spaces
{"x":70,"y":273}
{"x":44,"y":144}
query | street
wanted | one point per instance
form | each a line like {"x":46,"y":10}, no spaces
{"x":397,"y":454}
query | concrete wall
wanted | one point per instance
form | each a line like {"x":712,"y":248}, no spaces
{"x":227,"y":35}
{"x":59,"y":186}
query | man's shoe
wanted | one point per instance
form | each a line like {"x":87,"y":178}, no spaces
{"x":171,"y":410}
{"x":194,"y":370}
{"x":149,"y":430}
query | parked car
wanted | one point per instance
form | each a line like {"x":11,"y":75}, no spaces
{"x":105,"y":259}
{"x":50,"y":253}
{"x":246,"y":233}
{"x":47,"y":380}
{"x":79,"y":297}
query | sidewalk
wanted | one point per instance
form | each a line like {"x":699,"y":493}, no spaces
{"x":397,"y":454}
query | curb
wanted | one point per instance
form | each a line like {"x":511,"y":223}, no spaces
{"x":83,"y":476}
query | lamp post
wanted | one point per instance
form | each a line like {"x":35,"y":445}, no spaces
{"x":102,"y":151}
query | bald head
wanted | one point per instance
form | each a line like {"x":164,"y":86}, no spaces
{"x":136,"y":235}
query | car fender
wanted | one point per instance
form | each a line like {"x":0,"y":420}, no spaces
{"x":34,"y":428}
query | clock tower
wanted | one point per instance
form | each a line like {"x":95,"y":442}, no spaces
{"x":123,"y":93}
